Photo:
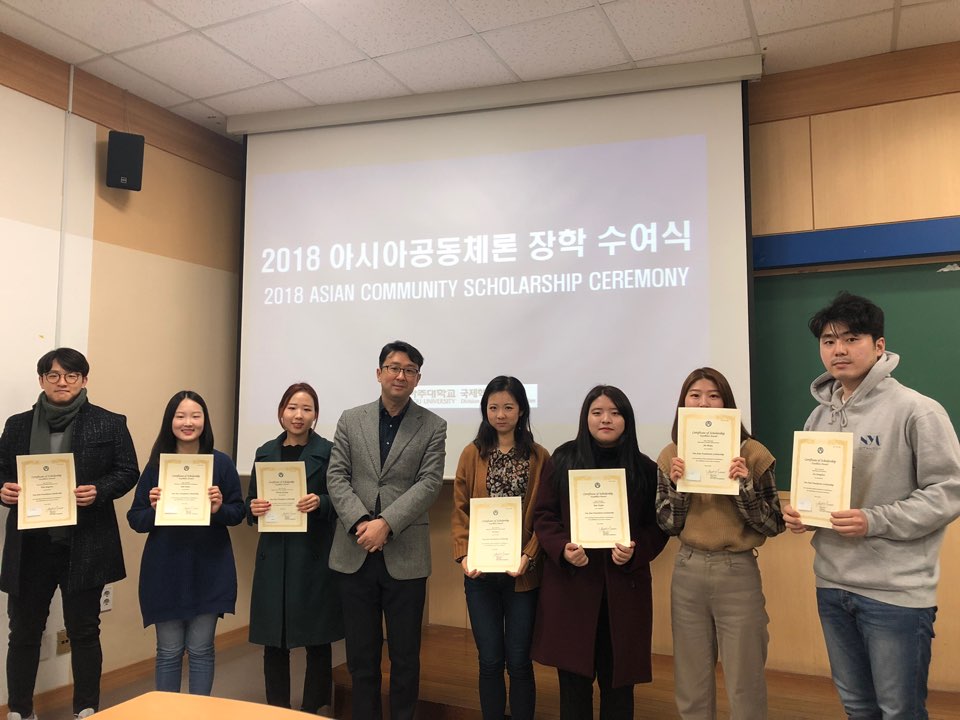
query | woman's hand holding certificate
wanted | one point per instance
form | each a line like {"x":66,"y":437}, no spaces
{"x":708,"y":439}
{"x":283,"y":487}
{"x":184,"y":483}
{"x":496,"y":526}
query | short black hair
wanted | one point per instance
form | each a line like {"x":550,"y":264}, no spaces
{"x":70,"y":360}
{"x":400,"y":346}
{"x":860,"y":315}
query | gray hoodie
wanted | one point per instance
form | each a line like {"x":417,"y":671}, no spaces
{"x":906,"y":479}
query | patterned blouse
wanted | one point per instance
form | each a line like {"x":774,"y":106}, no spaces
{"x":507,"y":474}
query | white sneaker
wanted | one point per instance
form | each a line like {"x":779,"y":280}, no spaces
{"x":85,"y":713}
{"x":18,"y":716}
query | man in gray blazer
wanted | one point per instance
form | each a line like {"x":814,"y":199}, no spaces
{"x":385,"y":471}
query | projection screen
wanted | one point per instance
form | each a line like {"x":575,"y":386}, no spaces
{"x":567,"y":243}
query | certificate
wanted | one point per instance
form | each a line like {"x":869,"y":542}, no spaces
{"x":184,"y":480}
{"x":708,"y":439}
{"x":496,"y":529}
{"x":599,"y":517}
{"x":822,"y":472}
{"x":46,"y":485}
{"x":282,"y":484}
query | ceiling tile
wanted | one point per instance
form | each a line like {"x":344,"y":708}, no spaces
{"x":204,"y":115}
{"x":491,"y":14}
{"x":650,"y":28}
{"x":556,"y":46}
{"x":825,"y":44}
{"x":380,"y":28}
{"x":348,"y":83}
{"x":133,"y":81}
{"x":772,"y":16}
{"x":928,"y":24}
{"x":728,"y":50}
{"x":455,"y":64}
{"x":108,"y":25}
{"x":262,"y":98}
{"x":194,"y":65}
{"x":53,"y":42}
{"x":200,"y":14}
{"x":289,"y":40}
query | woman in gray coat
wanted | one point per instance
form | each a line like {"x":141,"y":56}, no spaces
{"x":295,"y":602}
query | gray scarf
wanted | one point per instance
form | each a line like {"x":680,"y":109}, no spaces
{"x":48,"y":417}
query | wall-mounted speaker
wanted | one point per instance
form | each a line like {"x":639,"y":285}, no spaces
{"x":124,"y":160}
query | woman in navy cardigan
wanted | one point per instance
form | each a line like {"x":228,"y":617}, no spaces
{"x":188,"y":578}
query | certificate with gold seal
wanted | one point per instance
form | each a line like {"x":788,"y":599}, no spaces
{"x":822,"y":475}
{"x":708,"y":439}
{"x":599,"y":517}
{"x":184,"y":481}
{"x":282,"y":484}
{"x":47,"y":484}
{"x":496,"y":529}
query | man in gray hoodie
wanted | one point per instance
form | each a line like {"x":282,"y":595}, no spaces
{"x":877,"y":568}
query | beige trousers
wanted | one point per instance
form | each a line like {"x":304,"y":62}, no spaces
{"x":717,"y":608}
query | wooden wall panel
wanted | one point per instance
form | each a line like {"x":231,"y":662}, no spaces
{"x":780,"y":182}
{"x":108,"y":105}
{"x":184,"y":211}
{"x":33,"y":73}
{"x":46,"y":78}
{"x":887,"y":163}
{"x":891,"y":77}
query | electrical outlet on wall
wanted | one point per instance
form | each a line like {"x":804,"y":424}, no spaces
{"x":106,"y":599}
{"x":63,"y":642}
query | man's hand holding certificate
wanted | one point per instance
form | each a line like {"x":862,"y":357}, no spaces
{"x":184,"y":484}
{"x":822,"y":472}
{"x":708,"y":439}
{"x":599,"y":517}
{"x":47,"y":491}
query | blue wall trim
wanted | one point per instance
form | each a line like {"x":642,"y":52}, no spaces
{"x":871,"y":242}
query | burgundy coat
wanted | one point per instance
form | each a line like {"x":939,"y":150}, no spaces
{"x":569,"y":606}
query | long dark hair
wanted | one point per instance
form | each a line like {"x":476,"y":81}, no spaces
{"x":581,"y":452}
{"x":166,"y":441}
{"x":486,"y":439}
{"x":726,"y":393}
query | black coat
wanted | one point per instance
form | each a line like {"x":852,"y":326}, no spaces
{"x":293,"y":584}
{"x":104,"y":456}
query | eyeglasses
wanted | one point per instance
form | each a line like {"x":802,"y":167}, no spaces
{"x":71,"y":378}
{"x":397,"y":370}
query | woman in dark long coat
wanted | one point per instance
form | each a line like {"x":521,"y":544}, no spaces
{"x":295,"y":602}
{"x":595,"y":614}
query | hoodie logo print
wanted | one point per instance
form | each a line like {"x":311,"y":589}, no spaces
{"x":870,"y":441}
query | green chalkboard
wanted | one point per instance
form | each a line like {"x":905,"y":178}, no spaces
{"x":922,"y":312}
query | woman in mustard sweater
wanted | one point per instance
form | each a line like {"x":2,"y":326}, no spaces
{"x":502,"y":461}
{"x":716,"y":599}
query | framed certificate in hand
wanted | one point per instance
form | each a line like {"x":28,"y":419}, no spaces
{"x":47,"y":484}
{"x":708,"y":439}
{"x":599,"y":517}
{"x":822,"y":475}
{"x":282,"y":484}
{"x":496,"y":529}
{"x":184,"y":481}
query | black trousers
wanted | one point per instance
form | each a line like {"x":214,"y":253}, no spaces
{"x":45,"y":566}
{"x":371,"y":596}
{"x":576,"y":691}
{"x":316,"y":680}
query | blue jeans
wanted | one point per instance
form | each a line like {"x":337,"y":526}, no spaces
{"x":502,"y":621}
{"x":196,"y":636}
{"x":879,"y":654}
